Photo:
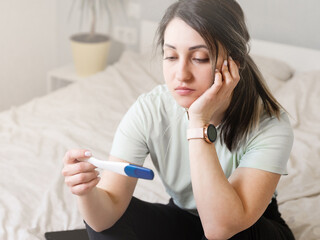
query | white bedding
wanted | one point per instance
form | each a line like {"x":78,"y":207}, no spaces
{"x":35,"y":136}
{"x":299,"y":192}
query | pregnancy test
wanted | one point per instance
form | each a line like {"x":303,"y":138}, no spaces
{"x":125,"y":169}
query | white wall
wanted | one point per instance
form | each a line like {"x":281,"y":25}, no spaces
{"x":34,"y":40}
{"x":294,"y":22}
{"x":28,"y":49}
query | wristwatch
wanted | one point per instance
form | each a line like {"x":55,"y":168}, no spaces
{"x":208,"y":132}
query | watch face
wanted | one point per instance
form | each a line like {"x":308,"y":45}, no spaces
{"x":212,"y":133}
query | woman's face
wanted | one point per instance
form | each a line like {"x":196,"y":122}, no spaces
{"x":187,"y":68}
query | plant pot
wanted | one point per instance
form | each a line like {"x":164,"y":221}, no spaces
{"x":90,"y":53}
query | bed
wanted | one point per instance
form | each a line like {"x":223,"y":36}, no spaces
{"x":35,"y":136}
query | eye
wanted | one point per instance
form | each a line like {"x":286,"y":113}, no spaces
{"x":170,"y":58}
{"x":201,"y":60}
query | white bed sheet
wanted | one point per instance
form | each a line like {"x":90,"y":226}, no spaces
{"x":35,"y":136}
{"x":299,"y":191}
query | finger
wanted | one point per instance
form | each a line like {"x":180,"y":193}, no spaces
{"x":225,"y":72}
{"x":84,"y":188}
{"x":228,"y":78}
{"x":79,"y":167}
{"x":74,"y":155}
{"x":234,"y":69}
{"x":217,"y":84}
{"x":81,"y":178}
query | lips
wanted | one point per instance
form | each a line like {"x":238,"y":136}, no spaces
{"x":183,"y":91}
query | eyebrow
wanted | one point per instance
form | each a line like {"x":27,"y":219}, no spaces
{"x":190,"y":48}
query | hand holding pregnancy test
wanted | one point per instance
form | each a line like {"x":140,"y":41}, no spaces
{"x":125,"y":169}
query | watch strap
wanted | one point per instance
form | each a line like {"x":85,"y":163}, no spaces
{"x":195,"y":133}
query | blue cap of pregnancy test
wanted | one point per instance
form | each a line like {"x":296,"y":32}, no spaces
{"x":139,"y":172}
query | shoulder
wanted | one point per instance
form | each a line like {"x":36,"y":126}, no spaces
{"x":272,"y":132}
{"x":274,"y":125}
{"x":269,"y":145}
{"x":153,"y":109}
{"x":157,"y":95}
{"x":158,"y":100}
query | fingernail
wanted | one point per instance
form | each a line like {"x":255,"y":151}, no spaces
{"x":216,"y":70}
{"x":87,"y":154}
{"x":225,"y":62}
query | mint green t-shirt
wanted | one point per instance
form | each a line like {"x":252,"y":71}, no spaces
{"x":157,"y":125}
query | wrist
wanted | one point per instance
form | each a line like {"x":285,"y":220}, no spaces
{"x":196,"y":124}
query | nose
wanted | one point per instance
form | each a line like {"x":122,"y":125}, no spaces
{"x":183,"y":72}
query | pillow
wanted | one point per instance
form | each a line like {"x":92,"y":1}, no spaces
{"x":275,"y":72}
{"x":276,"y":68}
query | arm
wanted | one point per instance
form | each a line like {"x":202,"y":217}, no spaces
{"x":103,"y":204}
{"x":225,"y":206}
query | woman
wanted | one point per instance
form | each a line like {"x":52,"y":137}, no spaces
{"x":218,"y":138}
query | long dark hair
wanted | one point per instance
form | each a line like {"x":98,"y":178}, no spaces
{"x":222,"y":21}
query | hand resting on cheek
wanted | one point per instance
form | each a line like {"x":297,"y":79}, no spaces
{"x":212,"y":104}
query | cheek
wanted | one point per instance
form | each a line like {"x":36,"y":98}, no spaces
{"x":203,"y":88}
{"x":207,"y":78}
{"x":167,"y":75}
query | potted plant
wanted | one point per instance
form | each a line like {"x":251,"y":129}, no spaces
{"x":90,"y":49}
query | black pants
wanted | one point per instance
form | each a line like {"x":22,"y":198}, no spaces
{"x":152,"y":221}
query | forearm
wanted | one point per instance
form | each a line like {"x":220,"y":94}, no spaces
{"x":218,"y":204}
{"x":98,"y":209}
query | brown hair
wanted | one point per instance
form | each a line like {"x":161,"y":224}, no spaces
{"x":222,"y":21}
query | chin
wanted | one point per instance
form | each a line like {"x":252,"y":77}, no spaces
{"x":185,"y":103}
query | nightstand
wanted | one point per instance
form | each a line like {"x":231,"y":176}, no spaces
{"x":61,"y":77}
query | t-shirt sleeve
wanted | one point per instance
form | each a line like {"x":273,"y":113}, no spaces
{"x":129,"y":142}
{"x":270,"y":148}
